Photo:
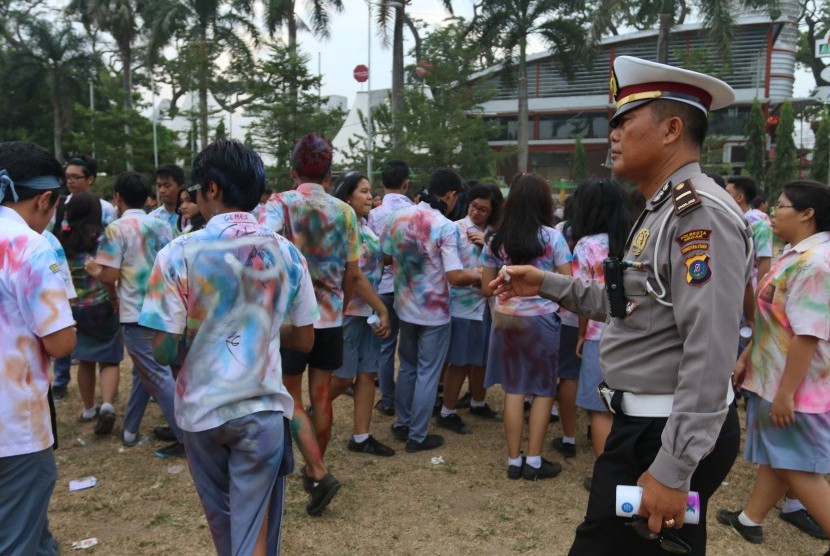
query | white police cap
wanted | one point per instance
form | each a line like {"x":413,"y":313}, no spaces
{"x":635,"y":82}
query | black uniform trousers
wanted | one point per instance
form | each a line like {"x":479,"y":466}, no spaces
{"x":630,"y":449}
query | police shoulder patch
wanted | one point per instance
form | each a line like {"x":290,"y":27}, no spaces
{"x":698,"y":270}
{"x":684,"y":197}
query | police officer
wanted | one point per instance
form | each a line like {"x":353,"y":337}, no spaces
{"x":669,"y":349}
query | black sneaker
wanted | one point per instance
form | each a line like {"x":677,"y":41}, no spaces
{"x":130,"y":443}
{"x":547,"y":470}
{"x":400,"y":433}
{"x":165,"y":434}
{"x":321,"y":494}
{"x":804,"y":521}
{"x":371,"y":446}
{"x":349,"y":391}
{"x":514,"y":472}
{"x":464,"y":401}
{"x":58,"y":392}
{"x":106,"y":419}
{"x":485,"y":412}
{"x":554,"y":418}
{"x":587,"y":483}
{"x":566,"y":449}
{"x":172,"y":450}
{"x":752,"y":533}
{"x":431,"y":442}
{"x":436,"y":409}
{"x":387,"y":410}
{"x":454,"y":423}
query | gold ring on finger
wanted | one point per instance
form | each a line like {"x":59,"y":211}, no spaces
{"x":669,"y":523}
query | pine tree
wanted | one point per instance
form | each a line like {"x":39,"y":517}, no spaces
{"x":756,"y":144}
{"x":784,"y":167}
{"x":579,"y":171}
{"x":220,"y":132}
{"x":819,"y":168}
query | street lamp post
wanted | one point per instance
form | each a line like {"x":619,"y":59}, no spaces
{"x":369,"y":95}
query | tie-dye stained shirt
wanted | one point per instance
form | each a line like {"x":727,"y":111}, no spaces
{"x":62,"y":263}
{"x":171,"y":218}
{"x":33,"y":304}
{"x":371,"y":265}
{"x":761,"y":239}
{"x":424,"y":247}
{"x":227,"y":289}
{"x":380,"y":218}
{"x":589,"y":252}
{"x":467,"y":302}
{"x":793,"y":301}
{"x":556,"y":253}
{"x":568,"y":318}
{"x":130,"y":244}
{"x":91,"y":291}
{"x":325,"y":230}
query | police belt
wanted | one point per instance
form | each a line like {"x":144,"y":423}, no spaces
{"x":642,"y":405}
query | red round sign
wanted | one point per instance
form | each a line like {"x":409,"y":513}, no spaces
{"x":361,"y":73}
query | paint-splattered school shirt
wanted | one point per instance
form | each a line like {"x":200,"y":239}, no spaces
{"x":227,"y":288}
{"x":380,"y":218}
{"x":62,"y":263}
{"x":325,"y":230}
{"x":792,"y":301}
{"x":568,"y":318}
{"x":33,"y":304}
{"x":130,"y":244}
{"x":424,"y":247}
{"x":467,"y":302}
{"x":589,"y":252}
{"x":171,"y":218}
{"x":371,"y":265}
{"x":555,"y":253}
{"x":761,"y":239}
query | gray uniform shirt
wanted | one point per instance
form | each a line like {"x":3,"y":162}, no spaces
{"x":687,"y":349}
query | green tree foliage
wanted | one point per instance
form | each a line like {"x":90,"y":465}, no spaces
{"x":509,"y":24}
{"x":756,"y":144}
{"x":220,"y":132}
{"x":579,"y":170}
{"x":279,"y":122}
{"x":821,"y":152}
{"x":784,"y":166}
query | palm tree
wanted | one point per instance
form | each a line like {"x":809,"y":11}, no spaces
{"x":394,"y":11}
{"x":55,"y":59}
{"x":119,"y":19}
{"x":508,"y":24}
{"x":210,"y":27}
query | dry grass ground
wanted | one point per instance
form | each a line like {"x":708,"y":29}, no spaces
{"x":399,"y":505}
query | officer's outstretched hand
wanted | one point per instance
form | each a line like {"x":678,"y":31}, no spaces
{"x":513,"y":281}
{"x":661,"y":504}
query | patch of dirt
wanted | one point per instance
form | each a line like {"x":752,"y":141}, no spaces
{"x":398,"y":505}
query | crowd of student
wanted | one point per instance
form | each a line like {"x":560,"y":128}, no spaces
{"x":222,"y":318}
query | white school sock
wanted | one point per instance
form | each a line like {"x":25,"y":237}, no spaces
{"x":474,"y":403}
{"x":89,"y":413}
{"x":554,"y":410}
{"x":534,"y":461}
{"x":515,"y":462}
{"x":360,"y":438}
{"x":129,"y":436}
{"x":569,"y":440}
{"x":744,"y":520}
{"x":446,"y":412}
{"x":107,"y":408}
{"x":792,"y":505}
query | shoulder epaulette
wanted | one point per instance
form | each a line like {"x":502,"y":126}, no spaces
{"x":662,"y":194}
{"x":684,"y":197}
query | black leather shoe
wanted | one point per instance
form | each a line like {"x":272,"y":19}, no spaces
{"x":752,"y":533}
{"x":804,"y":521}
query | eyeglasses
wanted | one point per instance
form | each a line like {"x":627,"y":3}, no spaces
{"x":75,"y":177}
{"x":669,"y":541}
{"x":479,"y":209}
{"x":780,"y":206}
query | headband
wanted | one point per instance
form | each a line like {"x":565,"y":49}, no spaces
{"x":43,"y":183}
{"x":80,"y":162}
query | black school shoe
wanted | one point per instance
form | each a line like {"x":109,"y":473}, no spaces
{"x":453,"y":422}
{"x":804,"y":521}
{"x":400,"y":433}
{"x":752,"y":533}
{"x":172,"y":450}
{"x":165,"y":434}
{"x":548,"y":470}
{"x":514,"y":472}
{"x":387,"y":410}
{"x":566,"y":449}
{"x":106,"y":420}
{"x":431,"y":442}
{"x":485,"y":412}
{"x":370,"y":446}
{"x":321,"y":494}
